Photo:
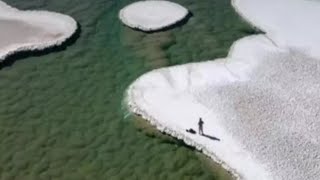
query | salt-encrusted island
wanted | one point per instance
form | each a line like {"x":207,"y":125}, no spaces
{"x":262,"y":101}
{"x":152,"y":15}
{"x":32,"y":30}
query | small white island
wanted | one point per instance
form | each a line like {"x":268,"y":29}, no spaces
{"x":152,"y":15}
{"x":32,"y":30}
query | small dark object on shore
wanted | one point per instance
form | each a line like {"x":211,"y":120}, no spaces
{"x":200,"y":126}
{"x":191,"y":131}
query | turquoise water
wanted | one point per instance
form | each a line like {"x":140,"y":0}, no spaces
{"x":61,"y":113}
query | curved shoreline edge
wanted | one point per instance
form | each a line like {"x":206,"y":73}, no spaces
{"x":133,"y":106}
{"x":65,"y":23}
{"x":244,"y":55}
{"x":136,"y":109}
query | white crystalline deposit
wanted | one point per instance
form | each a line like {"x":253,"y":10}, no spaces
{"x":32,"y":30}
{"x":152,"y":15}
{"x":288,"y":23}
{"x":262,"y":101}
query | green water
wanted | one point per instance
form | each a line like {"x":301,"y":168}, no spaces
{"x":61,"y":114}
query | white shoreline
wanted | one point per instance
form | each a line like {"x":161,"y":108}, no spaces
{"x":48,"y":22}
{"x":157,"y":95}
{"x":133,"y":107}
{"x":136,"y":105}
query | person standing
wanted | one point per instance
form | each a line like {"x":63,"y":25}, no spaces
{"x":200,"y":126}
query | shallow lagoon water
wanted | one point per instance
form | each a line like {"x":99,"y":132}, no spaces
{"x":62,"y":114}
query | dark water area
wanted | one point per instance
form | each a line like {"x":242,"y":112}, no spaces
{"x":62,"y":113}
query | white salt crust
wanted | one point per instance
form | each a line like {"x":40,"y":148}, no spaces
{"x":261,"y":101}
{"x":47,"y":29}
{"x":152,"y":15}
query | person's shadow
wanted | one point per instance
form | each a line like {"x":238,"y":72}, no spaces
{"x":211,"y":137}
